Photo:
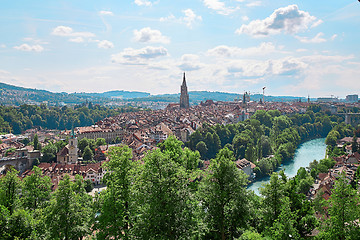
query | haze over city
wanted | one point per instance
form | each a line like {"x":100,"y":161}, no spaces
{"x":291,"y":47}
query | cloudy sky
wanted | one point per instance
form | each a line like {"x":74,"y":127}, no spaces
{"x":291,"y":47}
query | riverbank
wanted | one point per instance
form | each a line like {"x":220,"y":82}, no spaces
{"x":307,"y":152}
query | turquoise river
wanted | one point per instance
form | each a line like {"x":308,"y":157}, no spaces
{"x":305,"y":153}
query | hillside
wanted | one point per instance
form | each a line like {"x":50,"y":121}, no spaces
{"x":15,"y":96}
{"x":196,"y":97}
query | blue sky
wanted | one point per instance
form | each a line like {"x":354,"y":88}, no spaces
{"x":291,"y":47}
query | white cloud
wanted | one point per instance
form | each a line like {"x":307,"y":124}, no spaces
{"x":34,"y":40}
{"x":333,"y":37}
{"x":137,"y":56}
{"x":288,"y":19}
{"x":76,"y":40}
{"x":65,"y":31}
{"x":219,"y":7}
{"x":190,"y":62}
{"x":29,"y":48}
{"x":148,"y":35}
{"x":287,"y":66}
{"x":143,"y":3}
{"x":2,"y":46}
{"x":105,"y":44}
{"x":106,"y":13}
{"x":168,"y":18}
{"x":190,"y":17}
{"x":254,"y":4}
{"x":245,"y":18}
{"x":317,"y":23}
{"x":3,"y":72}
{"x":226,"y":51}
{"x":317,"y":39}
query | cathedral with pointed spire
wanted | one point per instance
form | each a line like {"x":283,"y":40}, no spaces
{"x":184,"y":96}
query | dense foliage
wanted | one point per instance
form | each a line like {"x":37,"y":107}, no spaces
{"x":267,"y":139}
{"x":19,"y":119}
{"x":167,"y":197}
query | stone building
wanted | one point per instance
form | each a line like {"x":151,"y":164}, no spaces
{"x":69,"y":154}
{"x":184,"y":96}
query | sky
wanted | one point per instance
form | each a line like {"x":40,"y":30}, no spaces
{"x":293,"y":48}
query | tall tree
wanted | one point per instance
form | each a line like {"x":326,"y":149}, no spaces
{"x":354,"y":144}
{"x":70,"y":213}
{"x":115,"y":214}
{"x":272,"y":192}
{"x":344,"y":212}
{"x":88,"y":154}
{"x":35,"y":190}
{"x":49,"y":153}
{"x":223,"y":197}
{"x":284,"y":226}
{"x":9,"y":186}
{"x":164,"y":206}
{"x":100,"y":142}
{"x":37,"y":145}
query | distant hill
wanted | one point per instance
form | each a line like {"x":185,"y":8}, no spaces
{"x":196,"y":97}
{"x":120,"y":94}
{"x":14,"y":95}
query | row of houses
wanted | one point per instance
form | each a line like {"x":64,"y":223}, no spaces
{"x":346,"y":164}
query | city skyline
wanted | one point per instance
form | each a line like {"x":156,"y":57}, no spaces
{"x":296,"y":48}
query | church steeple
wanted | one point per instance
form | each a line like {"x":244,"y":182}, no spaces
{"x":184,"y":81}
{"x":184,"y":96}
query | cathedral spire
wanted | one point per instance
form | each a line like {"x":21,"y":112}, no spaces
{"x":184,"y":96}
{"x":184,"y":80}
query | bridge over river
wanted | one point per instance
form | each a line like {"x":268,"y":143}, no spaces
{"x":21,"y":160}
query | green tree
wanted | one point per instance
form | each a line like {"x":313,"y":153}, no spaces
{"x":202,"y":148}
{"x":332,"y":137}
{"x":283,"y":227}
{"x":100,"y":142}
{"x":240,"y":143}
{"x":49,"y":153}
{"x":164,"y":205}
{"x":9,"y":186}
{"x":88,"y":154}
{"x":21,"y":225}
{"x":251,"y":235}
{"x":264,"y":117}
{"x":272,"y":192}
{"x":37,"y":145}
{"x":223,"y":197}
{"x":344,"y":212}
{"x":115,"y":216}
{"x":82,"y":144}
{"x":191,"y":159}
{"x":69,"y":214}
{"x":35,"y":190}
{"x":89,"y":186}
{"x":354,"y":144}
{"x":4,"y":218}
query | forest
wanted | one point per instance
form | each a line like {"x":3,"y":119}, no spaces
{"x":268,"y":138}
{"x":19,"y":119}
{"x":166,"y":196}
{"x":170,"y":194}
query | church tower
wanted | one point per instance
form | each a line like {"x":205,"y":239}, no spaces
{"x":184,"y":96}
{"x":73,"y":149}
